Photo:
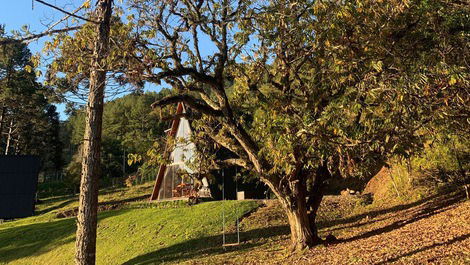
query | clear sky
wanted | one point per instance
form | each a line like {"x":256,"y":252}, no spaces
{"x":16,"y":13}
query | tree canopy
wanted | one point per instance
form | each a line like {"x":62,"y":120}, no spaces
{"x":29,"y":123}
{"x":322,"y":88}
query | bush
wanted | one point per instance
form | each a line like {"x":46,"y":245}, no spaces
{"x":443,"y":164}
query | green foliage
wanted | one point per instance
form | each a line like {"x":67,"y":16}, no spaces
{"x":445,"y":161}
{"x":324,"y":89}
{"x":29,"y":124}
{"x":446,"y":152}
{"x":57,"y":188}
{"x":147,"y":172}
{"x":130,"y":126}
{"x":69,"y":72}
{"x":442,"y":165}
{"x":348,"y":82}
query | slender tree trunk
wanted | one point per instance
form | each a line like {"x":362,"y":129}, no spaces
{"x":2,"y":118}
{"x":409,"y":169}
{"x":315,"y":197}
{"x":88,"y":202}
{"x":7,"y":146}
{"x":393,"y":182}
{"x":17,"y":145}
{"x":463,"y":173}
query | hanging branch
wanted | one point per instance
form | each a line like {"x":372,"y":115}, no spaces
{"x":66,"y":17}
{"x":50,"y":30}
{"x":219,"y":164}
{"x":66,"y":12}
{"x":37,"y":36}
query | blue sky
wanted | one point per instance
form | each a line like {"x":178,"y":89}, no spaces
{"x":16,"y":13}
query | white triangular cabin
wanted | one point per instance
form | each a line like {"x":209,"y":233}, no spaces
{"x":171,"y":182}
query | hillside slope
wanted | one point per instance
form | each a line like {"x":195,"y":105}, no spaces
{"x":135,"y":229}
{"x":435,"y":230}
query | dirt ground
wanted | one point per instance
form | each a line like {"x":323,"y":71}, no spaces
{"x":435,"y":230}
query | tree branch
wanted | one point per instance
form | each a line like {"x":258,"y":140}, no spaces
{"x":232,"y":162}
{"x":182,"y":71}
{"x":66,"y":12}
{"x":227,"y":143}
{"x":177,"y":116}
{"x":190,"y":101}
{"x":37,"y":36}
{"x":66,"y":17}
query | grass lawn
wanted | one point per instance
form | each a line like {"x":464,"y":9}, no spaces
{"x":136,"y":234}
{"x":52,"y":207}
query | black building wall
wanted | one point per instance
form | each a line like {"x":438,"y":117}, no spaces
{"x":18,"y":184}
{"x":254,"y":189}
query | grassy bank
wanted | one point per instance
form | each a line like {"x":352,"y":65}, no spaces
{"x":132,"y":234}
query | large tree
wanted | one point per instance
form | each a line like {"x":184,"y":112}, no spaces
{"x":301,"y":91}
{"x":79,"y":68}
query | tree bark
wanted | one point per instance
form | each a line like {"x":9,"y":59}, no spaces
{"x":295,"y":205}
{"x":7,"y":146}
{"x":88,"y":203}
{"x":302,"y":235}
{"x":2,"y":118}
{"x":315,"y":196}
{"x":312,"y":214}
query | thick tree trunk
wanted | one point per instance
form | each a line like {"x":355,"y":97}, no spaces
{"x":295,"y":205}
{"x":312,"y":214}
{"x":301,"y":234}
{"x":88,"y":202}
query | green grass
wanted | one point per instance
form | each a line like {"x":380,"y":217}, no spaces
{"x":139,"y":233}
{"x":50,"y":207}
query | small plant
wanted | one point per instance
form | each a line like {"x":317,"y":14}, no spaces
{"x":130,"y":181}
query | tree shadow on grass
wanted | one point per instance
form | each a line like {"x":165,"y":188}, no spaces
{"x":58,"y":206}
{"x":430,"y":208}
{"x":211,"y":245}
{"x":416,"y":251}
{"x":122,"y":201}
{"x":102,"y":206}
{"x":35,"y":239}
{"x":438,"y":198}
{"x":74,"y":198}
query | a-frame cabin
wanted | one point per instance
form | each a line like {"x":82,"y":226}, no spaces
{"x":170,"y":183}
